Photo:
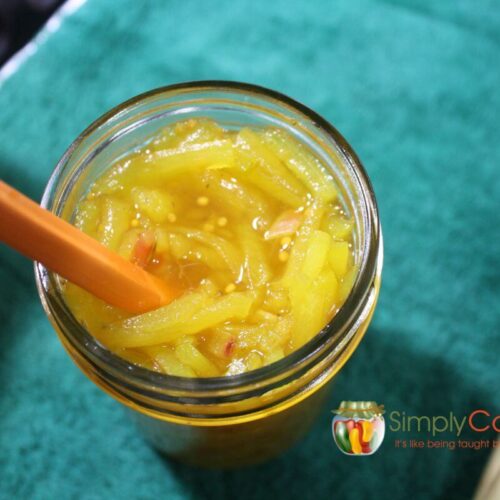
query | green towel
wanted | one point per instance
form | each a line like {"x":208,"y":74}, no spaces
{"x":414,"y":87}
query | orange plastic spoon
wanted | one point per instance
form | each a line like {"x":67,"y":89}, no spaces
{"x":64,"y":249}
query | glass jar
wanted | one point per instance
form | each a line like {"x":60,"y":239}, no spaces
{"x":240,"y":419}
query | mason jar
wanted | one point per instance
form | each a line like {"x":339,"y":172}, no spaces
{"x":238,"y":419}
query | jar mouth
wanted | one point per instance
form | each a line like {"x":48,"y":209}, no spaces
{"x":336,"y":333}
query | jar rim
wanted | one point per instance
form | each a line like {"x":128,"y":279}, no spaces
{"x":291,"y":362}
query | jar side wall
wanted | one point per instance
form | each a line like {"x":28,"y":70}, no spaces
{"x":217,"y":415}
{"x":240,"y":444}
{"x":232,"y":442}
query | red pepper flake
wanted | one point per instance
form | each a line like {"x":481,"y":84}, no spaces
{"x":229,"y":347}
{"x":144,"y":249}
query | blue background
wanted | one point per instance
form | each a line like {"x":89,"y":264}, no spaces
{"x":414,"y":87}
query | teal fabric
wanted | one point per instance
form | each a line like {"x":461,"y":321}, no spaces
{"x":414,"y":87}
